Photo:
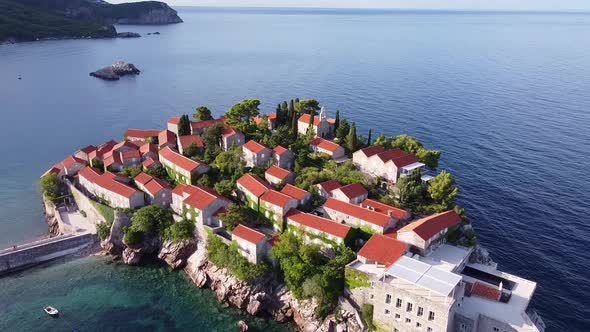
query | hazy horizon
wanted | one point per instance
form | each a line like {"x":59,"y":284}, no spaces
{"x":485,"y":5}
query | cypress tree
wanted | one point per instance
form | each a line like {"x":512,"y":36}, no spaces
{"x":284,"y":106}
{"x":291,"y":112}
{"x":279,"y":120}
{"x":369,"y":138}
{"x":184,"y":125}
{"x":294,"y":124}
{"x":337,"y":120}
{"x":351,"y":139}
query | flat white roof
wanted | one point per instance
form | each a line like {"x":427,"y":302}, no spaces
{"x":426,"y":178}
{"x":446,"y":257}
{"x":424,"y":275}
{"x":413,"y":166}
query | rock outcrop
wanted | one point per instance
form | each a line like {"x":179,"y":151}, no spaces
{"x":128,"y":35}
{"x":115,"y":71}
{"x":51,"y":219}
{"x":176,"y":254}
{"x":113,"y":244}
{"x":266,"y":298}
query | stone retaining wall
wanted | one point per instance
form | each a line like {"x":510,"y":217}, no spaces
{"x":85,"y":204}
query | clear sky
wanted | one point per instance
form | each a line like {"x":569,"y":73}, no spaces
{"x":532,"y":5}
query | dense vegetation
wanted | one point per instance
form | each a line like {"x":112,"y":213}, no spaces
{"x":103,"y":230}
{"x":147,"y":221}
{"x":52,"y":187}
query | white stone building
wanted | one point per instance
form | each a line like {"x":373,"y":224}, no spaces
{"x":255,"y":154}
{"x":251,"y":243}
{"x":322,"y":125}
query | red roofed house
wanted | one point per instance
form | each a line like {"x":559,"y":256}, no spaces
{"x":198,"y":127}
{"x":97,"y":156}
{"x":172,"y":124}
{"x":271,"y":119}
{"x":353,"y":193}
{"x":282,"y":157}
{"x":141,"y":135}
{"x":381,"y":250}
{"x":149,"y":163}
{"x":255,"y":154}
{"x":230,"y":136}
{"x":325,"y":188}
{"x":156,"y":191}
{"x":148,"y":151}
{"x":187,"y":140}
{"x":323,"y":146}
{"x":71,"y":165}
{"x":166,"y":138}
{"x":251,"y":243}
{"x":428,"y":233}
{"x":396,"y":213}
{"x":359,"y":217}
{"x":83,"y":152}
{"x":322,"y":126}
{"x":250,"y":188}
{"x":275,"y":175}
{"x":299,"y":194}
{"x":199,"y":204}
{"x":388,"y":164}
{"x":119,"y":160}
{"x":106,"y":187}
{"x":275,"y":205}
{"x":181,"y":168}
{"x":316,"y":229}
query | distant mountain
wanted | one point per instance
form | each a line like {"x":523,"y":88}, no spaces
{"x":25,"y":20}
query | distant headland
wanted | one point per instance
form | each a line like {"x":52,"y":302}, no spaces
{"x":31,"y":20}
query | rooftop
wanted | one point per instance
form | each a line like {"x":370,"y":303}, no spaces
{"x":107,"y":182}
{"x":248,"y":234}
{"x":325,"y":144}
{"x":254,"y":146}
{"x":429,"y":226}
{"x":255,"y":185}
{"x":316,"y":119}
{"x":187,"y":140}
{"x":179,"y":160}
{"x":294,"y":192}
{"x":329,"y":185}
{"x":321,"y":224}
{"x":141,"y":133}
{"x":447,"y":257}
{"x":372,"y":150}
{"x":382,"y":249}
{"x":199,"y":197}
{"x":357,"y":212}
{"x":276,"y":198}
{"x":383,"y":208}
{"x":353,"y":190}
{"x":279,"y":150}
{"x":277,"y":172}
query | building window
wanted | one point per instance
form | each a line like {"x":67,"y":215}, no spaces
{"x":418,"y":324}
{"x":398,"y":304}
{"x":372,"y":296}
{"x":496,"y":329}
{"x":409,"y":307}
{"x":388,"y":298}
{"x":430,"y":315}
{"x":429,"y":329}
{"x":387,"y":312}
{"x":420,"y":311}
{"x":397,"y":316}
{"x":408,"y":321}
{"x":395,"y":330}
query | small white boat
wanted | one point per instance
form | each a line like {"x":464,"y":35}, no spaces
{"x":51,"y":311}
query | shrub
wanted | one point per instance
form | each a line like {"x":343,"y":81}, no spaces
{"x":367,"y":316}
{"x":179,"y":231}
{"x":230,"y":258}
{"x":51,"y":186}
{"x":354,"y":278}
{"x":132,"y":236}
{"x":107,"y":212}
{"x":103,"y":230}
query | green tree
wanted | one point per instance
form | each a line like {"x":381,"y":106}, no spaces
{"x":202,"y":113}
{"x":148,"y":221}
{"x":157,"y":171}
{"x":237,"y":215}
{"x":342,"y":131}
{"x":132,"y":171}
{"x":184,"y":125}
{"x":337,"y":120}
{"x":407,"y":143}
{"x":178,"y":231}
{"x":351,"y":138}
{"x":442,"y":191}
{"x":205,"y":181}
{"x":230,"y":162}
{"x":410,"y":190}
{"x":381,"y":140}
{"x":225,"y":187}
{"x":308,"y":106}
{"x":240,"y":114}
{"x":428,"y":157}
{"x":192,"y":150}
{"x":51,"y":186}
{"x":369,"y":138}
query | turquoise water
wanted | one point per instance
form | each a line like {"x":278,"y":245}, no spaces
{"x":94,"y":294}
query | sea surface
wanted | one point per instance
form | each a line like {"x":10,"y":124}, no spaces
{"x":505,"y":96}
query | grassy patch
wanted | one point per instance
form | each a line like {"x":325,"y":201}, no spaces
{"x":108,"y":213}
{"x":354,"y":278}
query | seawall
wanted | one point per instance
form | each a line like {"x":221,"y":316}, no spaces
{"x":24,"y":256}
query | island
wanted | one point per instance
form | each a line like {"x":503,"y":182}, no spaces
{"x":115,"y":71}
{"x":31,"y":20}
{"x":295,"y":216}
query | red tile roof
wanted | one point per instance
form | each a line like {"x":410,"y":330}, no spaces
{"x":404,"y":160}
{"x":141,"y":133}
{"x":248,"y":234}
{"x":148,"y":147}
{"x":294,"y":192}
{"x":155,"y":185}
{"x":229,"y":131}
{"x":319,"y":223}
{"x":353,"y":190}
{"x":88,"y":149}
{"x":383,"y":250}
{"x":427,"y":227}
{"x":279,"y":150}
{"x":179,"y":160}
{"x":187,"y":140}
{"x":386,"y":156}
{"x":258,"y":119}
{"x":125,"y":144}
{"x":166,"y":137}
{"x":316,"y":119}
{"x":383,"y":208}
{"x":276,"y":198}
{"x":206,"y":123}
{"x":357,"y":212}
{"x":277,"y":172}
{"x":255,"y":185}
{"x":329,"y":185}
{"x":372,"y":150}
{"x":174,"y":120}
{"x":71,"y":160}
{"x":149,"y":162}
{"x":483,"y":290}
{"x":201,"y":197}
{"x":52,"y":170}
{"x":130,"y":154}
{"x":107,"y":181}
{"x":142,"y":178}
{"x":254,"y":147}
{"x":102,"y":150}
{"x":325,"y":144}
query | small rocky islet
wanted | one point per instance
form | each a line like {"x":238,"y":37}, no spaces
{"x":115,"y":71}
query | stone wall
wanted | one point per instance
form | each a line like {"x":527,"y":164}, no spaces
{"x":85,"y":204}
{"x":43,"y":251}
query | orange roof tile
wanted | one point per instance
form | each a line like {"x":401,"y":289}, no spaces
{"x":353,"y":190}
{"x":206,"y":123}
{"x":107,"y":181}
{"x":248,"y":234}
{"x":277,"y":172}
{"x":200,"y":197}
{"x":141,"y":133}
{"x":325,"y":144}
{"x":294,"y":192}
{"x":427,"y":227}
{"x":187,"y":140}
{"x":372,"y":150}
{"x":71,"y":160}
{"x":149,"y":162}
{"x":383,"y":208}
{"x":155,"y":185}
{"x":404,"y":160}
{"x":254,"y":184}
{"x":386,"y":156}
{"x":357,"y":212}
{"x":329,"y":185}
{"x":88,"y":149}
{"x":179,"y":160}
{"x":276,"y":198}
{"x":316,"y":119}
{"x":143,"y":178}
{"x":382,"y":249}
{"x":279,"y":150}
{"x":166,"y":137}
{"x":174,"y":120}
{"x":319,"y":223}
{"x":255,"y":147}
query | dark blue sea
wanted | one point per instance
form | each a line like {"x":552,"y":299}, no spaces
{"x":505,"y":96}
